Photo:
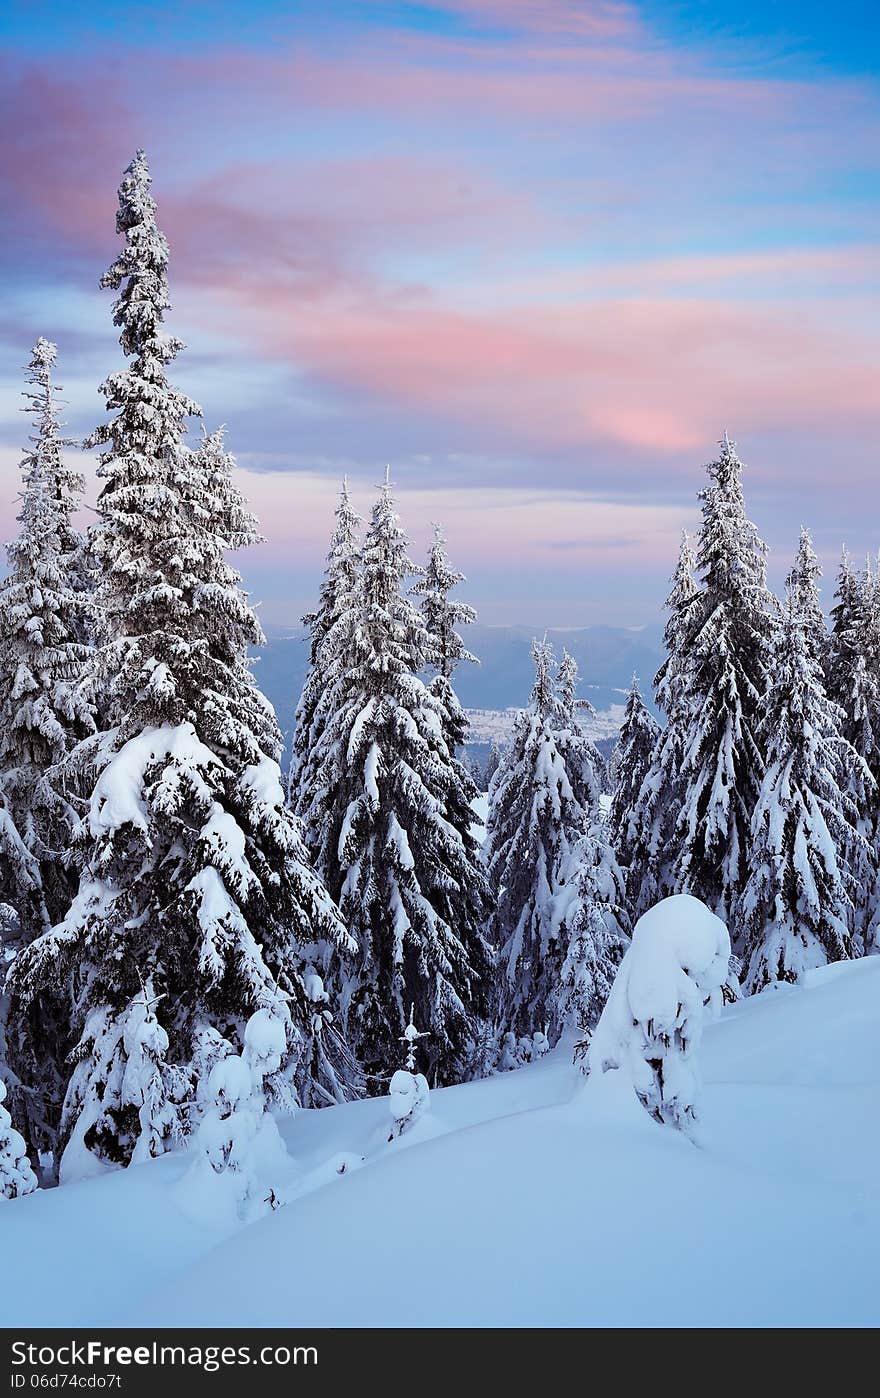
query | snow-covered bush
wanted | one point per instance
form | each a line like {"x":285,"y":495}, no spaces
{"x":408,"y":1094}
{"x":241,"y":1165}
{"x":516,"y":1052}
{"x":669,"y":981}
{"x":16,"y":1175}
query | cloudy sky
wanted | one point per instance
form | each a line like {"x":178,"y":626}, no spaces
{"x":536,"y":254}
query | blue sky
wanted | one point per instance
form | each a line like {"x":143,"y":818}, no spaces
{"x":536,"y":255}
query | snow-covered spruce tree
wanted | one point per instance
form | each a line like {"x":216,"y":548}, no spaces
{"x":46,"y":683}
{"x":647,"y":835}
{"x":725,"y":678}
{"x":854,"y":684}
{"x":196,"y":880}
{"x":383,"y":787}
{"x":802,"y":586}
{"x":442,"y":615}
{"x":848,"y":618}
{"x":328,"y":657}
{"x":16,"y":1176}
{"x":630,"y":764}
{"x":493,"y":762}
{"x":542,"y":796}
{"x":593,"y":927}
{"x":796,"y":905}
{"x":125,"y":1075}
{"x":45,"y":670}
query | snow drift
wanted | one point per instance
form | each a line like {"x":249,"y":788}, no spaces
{"x":515,"y":1201}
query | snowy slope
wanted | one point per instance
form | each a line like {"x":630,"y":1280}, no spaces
{"x":517,"y":1202}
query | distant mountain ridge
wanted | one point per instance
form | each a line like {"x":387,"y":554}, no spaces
{"x":607,"y":656}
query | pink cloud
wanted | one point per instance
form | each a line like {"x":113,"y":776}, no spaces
{"x":349,"y":268}
{"x":650,"y":374}
{"x":61,"y":138}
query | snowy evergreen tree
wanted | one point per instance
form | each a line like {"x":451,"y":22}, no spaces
{"x":328,"y":656}
{"x":593,"y":927}
{"x":389,"y":805}
{"x":195,"y":877}
{"x":854,"y":684}
{"x":848,"y":617}
{"x":493,"y":762}
{"x":119,"y":1090}
{"x":45,"y":670}
{"x":541,"y":799}
{"x":795,"y":910}
{"x":725,"y":680}
{"x":442,"y":615}
{"x":646,"y":832}
{"x":16,"y":1176}
{"x":630,"y":764}
{"x":802,"y":585}
{"x":46,"y":684}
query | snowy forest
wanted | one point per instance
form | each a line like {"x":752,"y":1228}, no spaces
{"x":202,"y":930}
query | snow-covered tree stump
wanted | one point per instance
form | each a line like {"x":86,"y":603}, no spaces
{"x":670,"y":981}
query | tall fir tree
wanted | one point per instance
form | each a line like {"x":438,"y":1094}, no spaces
{"x":46,"y":691}
{"x":593,"y":927}
{"x":442,"y":616}
{"x":195,"y":882}
{"x":647,"y":831}
{"x":796,"y":905}
{"x":854,"y":684}
{"x":493,"y":762}
{"x":802,"y":585}
{"x":631,"y":761}
{"x":45,"y":669}
{"x":725,"y":680}
{"x":328,"y":654}
{"x":387,"y":801}
{"x":542,"y":797}
{"x":847,"y":630}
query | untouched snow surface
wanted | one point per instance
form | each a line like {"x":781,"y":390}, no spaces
{"x":520,"y":1201}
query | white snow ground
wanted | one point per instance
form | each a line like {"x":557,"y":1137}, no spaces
{"x":517,"y":1202}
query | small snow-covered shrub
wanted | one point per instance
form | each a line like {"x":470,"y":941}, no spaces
{"x":408,"y":1093}
{"x":671,"y":978}
{"x":516,"y":1052}
{"x":16,"y":1175}
{"x":241,"y":1163}
{"x":407,"y":1100}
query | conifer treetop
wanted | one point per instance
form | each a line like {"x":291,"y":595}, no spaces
{"x":442,"y":613}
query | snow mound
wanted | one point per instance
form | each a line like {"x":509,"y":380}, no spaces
{"x":669,"y":981}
